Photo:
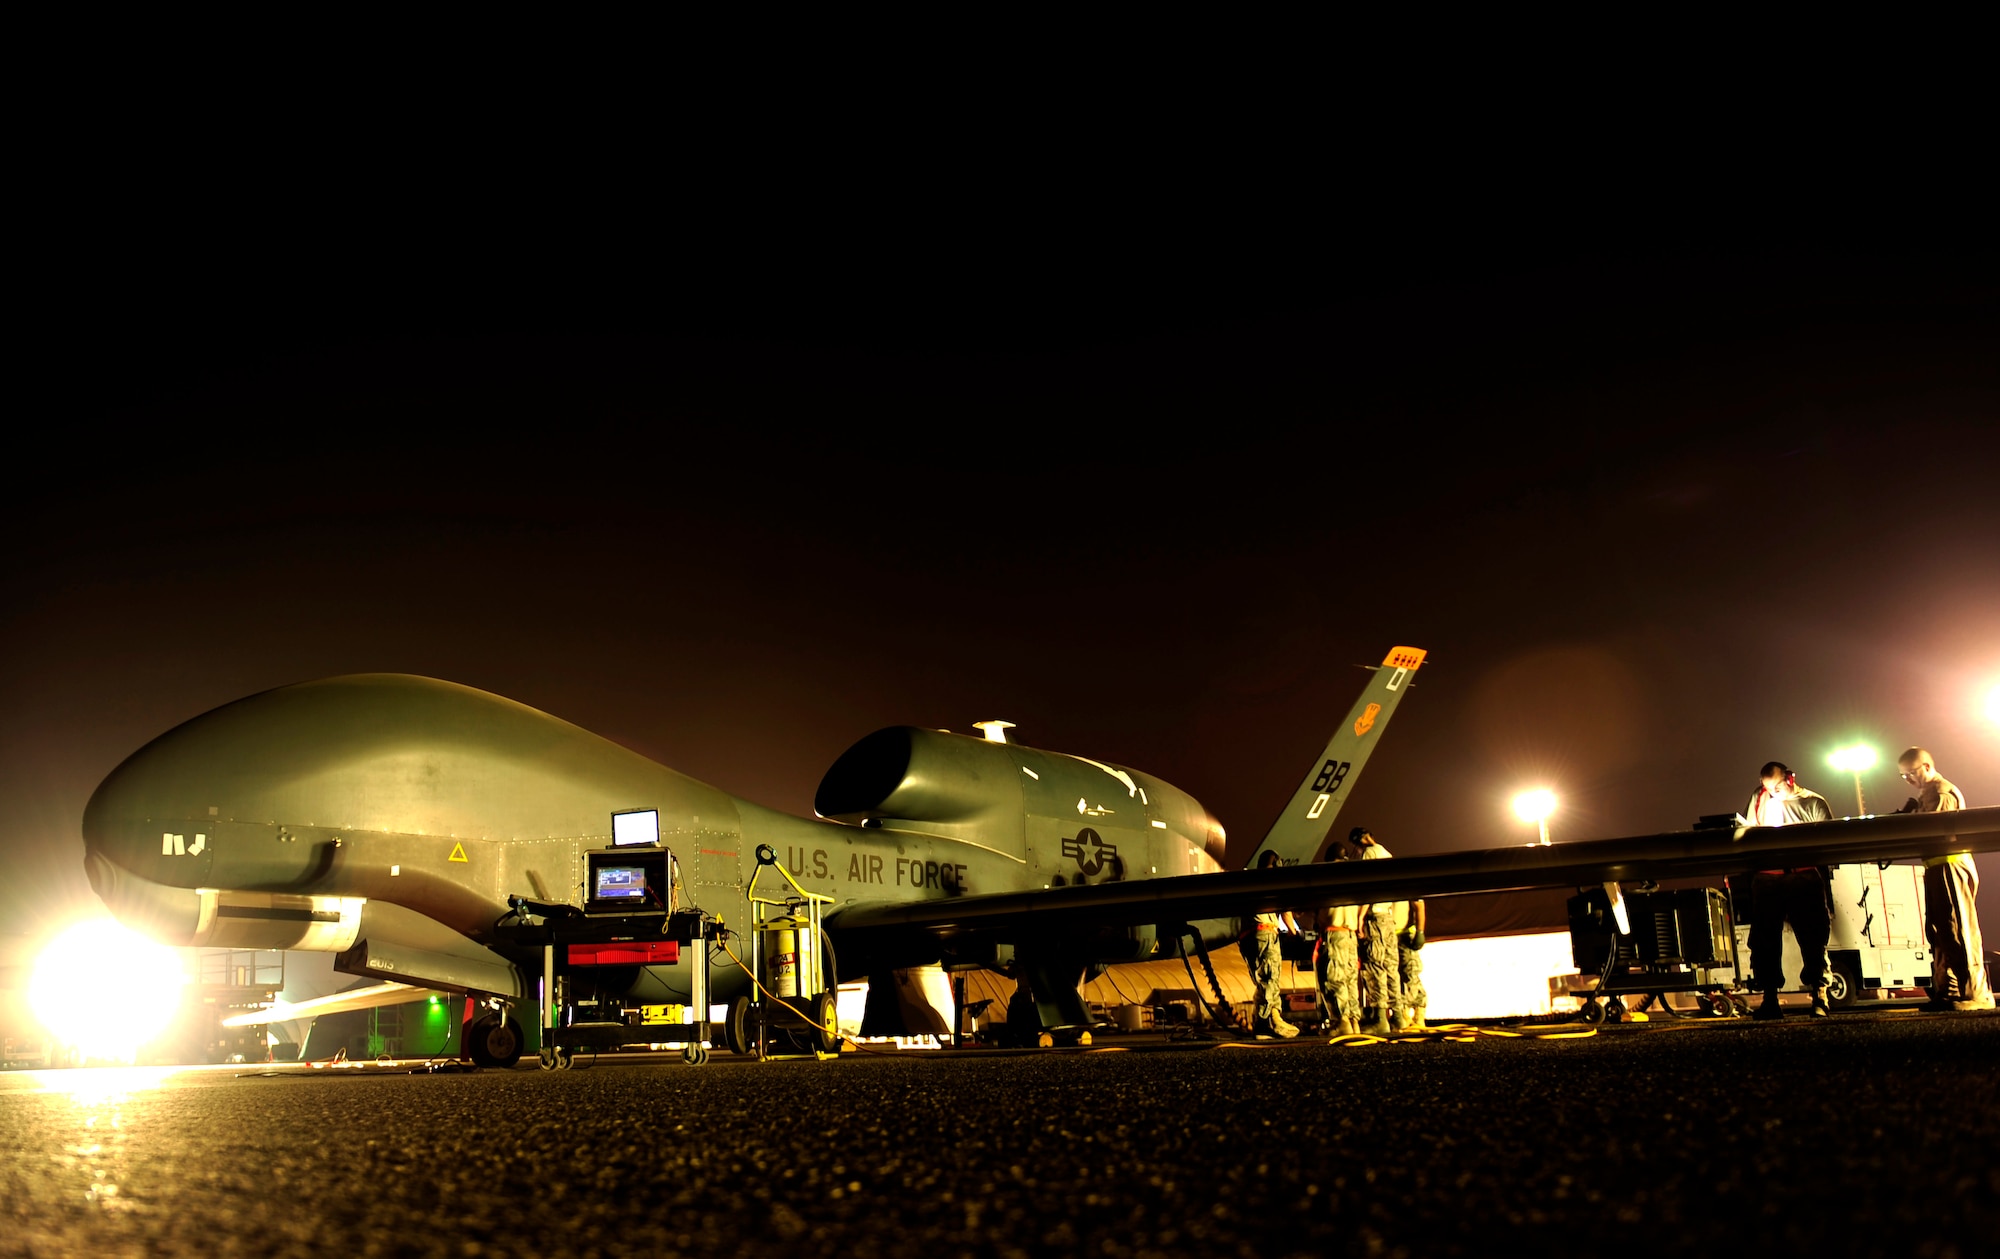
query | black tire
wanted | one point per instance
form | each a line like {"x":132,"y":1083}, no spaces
{"x":737,"y":1032}
{"x":695,"y":1055}
{"x":1592,"y":1012}
{"x":826,"y":1013}
{"x":1843,"y":984}
{"x":494,"y":1041}
{"x":547,"y":1057}
{"x":1024,"y":1021}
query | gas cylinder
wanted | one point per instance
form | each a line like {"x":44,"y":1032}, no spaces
{"x":784,"y":966}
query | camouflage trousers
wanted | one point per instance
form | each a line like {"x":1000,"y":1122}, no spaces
{"x":1412,"y":978}
{"x":1338,"y":967}
{"x":1383,"y":968}
{"x":1266,"y":963}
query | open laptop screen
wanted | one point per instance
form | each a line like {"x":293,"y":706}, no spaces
{"x":636,"y":828}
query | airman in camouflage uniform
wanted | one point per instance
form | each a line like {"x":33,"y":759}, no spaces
{"x":1380,"y":926}
{"x":1409,"y":953}
{"x":1336,"y":963}
{"x":1266,"y":959}
{"x":1339,"y":967}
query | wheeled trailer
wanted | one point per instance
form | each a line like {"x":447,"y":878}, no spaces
{"x":1677,"y":941}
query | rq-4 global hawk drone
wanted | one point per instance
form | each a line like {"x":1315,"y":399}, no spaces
{"x":389,"y":819}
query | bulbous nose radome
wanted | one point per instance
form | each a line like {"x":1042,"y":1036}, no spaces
{"x":170,"y":915}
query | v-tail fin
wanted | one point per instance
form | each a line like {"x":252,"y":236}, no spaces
{"x":1301,"y":829}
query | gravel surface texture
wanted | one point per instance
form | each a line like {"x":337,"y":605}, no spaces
{"x":1863,"y":1135}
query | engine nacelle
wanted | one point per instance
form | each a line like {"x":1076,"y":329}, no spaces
{"x":920,"y":776}
{"x":906,"y":778}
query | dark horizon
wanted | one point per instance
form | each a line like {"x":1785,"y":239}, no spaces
{"x":1657,"y":521}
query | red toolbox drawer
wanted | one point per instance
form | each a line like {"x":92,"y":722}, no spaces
{"x":626,"y":953}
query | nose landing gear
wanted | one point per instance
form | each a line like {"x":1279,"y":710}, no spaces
{"x":494,"y":1040}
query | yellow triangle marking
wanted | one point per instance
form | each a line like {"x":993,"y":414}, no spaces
{"x":458,"y":854}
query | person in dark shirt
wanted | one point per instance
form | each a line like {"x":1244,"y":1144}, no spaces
{"x":1797,"y":896}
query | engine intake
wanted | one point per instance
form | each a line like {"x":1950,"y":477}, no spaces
{"x":919,"y":775}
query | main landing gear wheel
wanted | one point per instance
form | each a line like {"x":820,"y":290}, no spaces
{"x":494,"y":1041}
{"x":736,"y":1030}
{"x":695,"y":1055}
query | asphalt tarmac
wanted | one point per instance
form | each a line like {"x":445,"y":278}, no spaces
{"x":1868,"y":1134}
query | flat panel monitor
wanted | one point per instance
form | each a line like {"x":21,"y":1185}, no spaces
{"x":617,"y":885}
{"x":635,"y":828}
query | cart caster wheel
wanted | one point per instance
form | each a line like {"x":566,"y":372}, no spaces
{"x":1741,"y":1005}
{"x":548,"y":1059}
{"x":1592,"y":1013}
{"x":1614,"y":1010}
{"x":695,"y":1055}
{"x":565,"y":1059}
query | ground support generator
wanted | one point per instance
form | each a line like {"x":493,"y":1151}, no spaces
{"x":1679,"y":941}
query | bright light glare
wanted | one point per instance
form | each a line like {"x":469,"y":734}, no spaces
{"x":1853,"y":760}
{"x":1534,"y":806}
{"x":103,"y":990}
{"x":1495,"y":977}
{"x":1993,"y":705}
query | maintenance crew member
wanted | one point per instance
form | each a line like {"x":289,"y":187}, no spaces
{"x":1410,"y":972}
{"x":1951,"y":889}
{"x":1266,"y":959}
{"x":1336,"y":963}
{"x":1381,"y":963}
{"x":1799,"y":896}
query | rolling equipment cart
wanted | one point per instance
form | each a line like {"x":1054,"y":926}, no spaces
{"x":1680,"y":941}
{"x":794,"y":996}
{"x":630,"y":919}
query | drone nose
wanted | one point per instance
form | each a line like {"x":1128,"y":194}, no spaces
{"x":170,"y":915}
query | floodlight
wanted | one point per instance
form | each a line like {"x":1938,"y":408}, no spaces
{"x":1853,"y":760}
{"x":66,"y":990}
{"x":1533,"y":806}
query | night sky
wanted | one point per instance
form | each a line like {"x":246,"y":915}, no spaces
{"x":1658,"y":516}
